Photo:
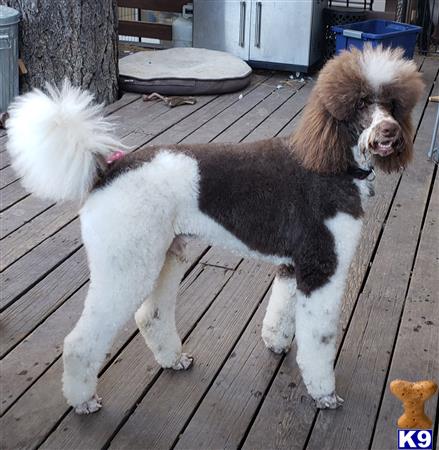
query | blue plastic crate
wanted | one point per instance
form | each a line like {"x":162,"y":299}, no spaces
{"x":377,"y":31}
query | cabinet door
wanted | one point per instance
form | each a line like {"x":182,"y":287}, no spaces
{"x":281,"y":31}
{"x":222,"y":25}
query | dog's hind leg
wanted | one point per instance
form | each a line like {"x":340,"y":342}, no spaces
{"x":156,"y":317}
{"x":125,"y":263}
{"x":278,"y":324}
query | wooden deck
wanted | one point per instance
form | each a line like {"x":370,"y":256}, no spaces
{"x":238,"y":394}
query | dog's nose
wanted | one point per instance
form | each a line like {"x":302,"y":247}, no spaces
{"x":389,"y":129}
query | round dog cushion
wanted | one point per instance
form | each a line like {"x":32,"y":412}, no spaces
{"x":183,"y":71}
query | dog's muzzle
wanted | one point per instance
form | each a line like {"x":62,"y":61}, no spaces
{"x":385,"y":138}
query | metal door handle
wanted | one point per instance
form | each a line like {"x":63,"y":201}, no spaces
{"x":258,"y":24}
{"x":242,"y":24}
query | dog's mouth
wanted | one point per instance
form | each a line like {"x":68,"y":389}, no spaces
{"x":383,"y":148}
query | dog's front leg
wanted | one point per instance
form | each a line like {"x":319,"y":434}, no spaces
{"x":318,"y":308}
{"x":316,"y":332}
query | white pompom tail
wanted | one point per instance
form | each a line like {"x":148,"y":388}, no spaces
{"x":53,"y":140}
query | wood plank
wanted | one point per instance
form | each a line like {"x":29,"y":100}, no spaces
{"x":3,"y":140}
{"x":136,"y":114}
{"x":144,"y":128}
{"x":174,"y":395}
{"x":21,"y":213}
{"x":31,"y":358}
{"x":7,"y":176}
{"x":226,"y":411}
{"x":34,"y":232}
{"x":12,"y":194}
{"x":287,"y":410}
{"x":188,"y":125}
{"x":35,"y":265}
{"x":416,"y":354}
{"x":225,"y":119}
{"x":149,"y":129}
{"x":153,"y":5}
{"x":250,"y":121}
{"x":362,"y":365}
{"x":144,"y":29}
{"x":125,"y":99}
{"x":5,"y":161}
{"x":42,"y":406}
{"x":281,"y":117}
{"x":28,"y":311}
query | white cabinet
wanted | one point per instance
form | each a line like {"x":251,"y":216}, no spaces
{"x":268,"y":33}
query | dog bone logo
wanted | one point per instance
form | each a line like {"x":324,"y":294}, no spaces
{"x":413,"y":396}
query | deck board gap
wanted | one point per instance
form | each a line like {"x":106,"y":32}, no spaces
{"x":263,"y":397}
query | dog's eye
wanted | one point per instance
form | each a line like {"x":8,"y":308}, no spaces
{"x":361,"y":103}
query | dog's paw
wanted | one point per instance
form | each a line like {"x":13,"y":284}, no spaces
{"x":276,"y":341}
{"x":184,"y":363}
{"x":91,"y":406}
{"x":331,"y":401}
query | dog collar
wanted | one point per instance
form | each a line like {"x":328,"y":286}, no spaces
{"x":362,"y":174}
{"x":115,"y":156}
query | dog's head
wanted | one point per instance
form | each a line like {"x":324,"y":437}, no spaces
{"x":364,"y":99}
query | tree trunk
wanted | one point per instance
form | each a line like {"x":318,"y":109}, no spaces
{"x":74,"y":39}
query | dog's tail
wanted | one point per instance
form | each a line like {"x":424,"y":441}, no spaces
{"x":54,"y":140}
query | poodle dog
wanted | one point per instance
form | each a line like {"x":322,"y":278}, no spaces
{"x":296,"y":202}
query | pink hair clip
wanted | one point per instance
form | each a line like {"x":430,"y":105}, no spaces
{"x":118,"y":154}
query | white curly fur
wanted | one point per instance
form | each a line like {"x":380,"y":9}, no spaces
{"x":382,"y":65}
{"x":53,"y":140}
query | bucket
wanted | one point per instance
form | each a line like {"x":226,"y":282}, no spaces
{"x":378,"y":31}
{"x":9,"y":19}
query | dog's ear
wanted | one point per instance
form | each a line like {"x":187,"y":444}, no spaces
{"x":340,"y":85}
{"x":322,"y":143}
{"x":405,"y":91}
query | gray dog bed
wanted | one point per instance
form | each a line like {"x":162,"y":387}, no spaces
{"x":183,"y":71}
